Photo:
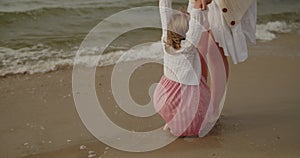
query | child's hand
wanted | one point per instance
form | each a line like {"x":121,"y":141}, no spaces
{"x":202,"y":4}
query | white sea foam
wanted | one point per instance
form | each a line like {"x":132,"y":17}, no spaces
{"x":33,"y":60}
{"x":268,"y":31}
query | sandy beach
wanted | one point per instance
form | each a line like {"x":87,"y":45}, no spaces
{"x":260,"y":118}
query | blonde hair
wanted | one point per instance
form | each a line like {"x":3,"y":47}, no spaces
{"x":177,"y":28}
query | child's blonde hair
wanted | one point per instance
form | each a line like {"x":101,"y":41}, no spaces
{"x":177,"y":28}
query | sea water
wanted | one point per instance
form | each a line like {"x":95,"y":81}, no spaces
{"x":44,"y":35}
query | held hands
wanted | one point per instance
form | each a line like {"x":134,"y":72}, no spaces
{"x":202,"y":4}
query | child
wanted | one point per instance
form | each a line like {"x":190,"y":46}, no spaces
{"x":182,"y":95}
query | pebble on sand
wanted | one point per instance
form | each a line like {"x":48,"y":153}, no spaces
{"x":82,"y":147}
{"x":91,"y":154}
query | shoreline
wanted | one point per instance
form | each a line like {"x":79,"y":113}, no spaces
{"x":288,"y":41}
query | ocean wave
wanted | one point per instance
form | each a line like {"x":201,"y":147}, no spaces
{"x":268,"y":31}
{"x":43,"y":58}
{"x":40,"y":59}
{"x":288,"y":17}
{"x":57,"y":12}
{"x":23,"y":7}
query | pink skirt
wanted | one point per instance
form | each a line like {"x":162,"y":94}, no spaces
{"x":183,"y":107}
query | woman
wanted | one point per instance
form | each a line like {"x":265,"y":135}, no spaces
{"x":232,"y":29}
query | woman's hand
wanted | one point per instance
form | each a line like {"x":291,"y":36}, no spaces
{"x":202,"y":4}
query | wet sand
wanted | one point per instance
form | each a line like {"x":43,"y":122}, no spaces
{"x":260,"y":118}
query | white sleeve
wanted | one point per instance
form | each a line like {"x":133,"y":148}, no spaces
{"x":190,"y":6}
{"x":198,"y":20}
{"x":165,"y":10}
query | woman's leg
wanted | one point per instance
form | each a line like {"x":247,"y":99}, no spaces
{"x":203,"y":48}
{"x":225,"y":61}
{"x":204,"y":67}
{"x":218,"y":72}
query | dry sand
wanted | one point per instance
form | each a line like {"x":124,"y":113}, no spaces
{"x":261,"y":116}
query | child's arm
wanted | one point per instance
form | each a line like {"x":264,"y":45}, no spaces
{"x":190,"y":6}
{"x":198,"y":21}
{"x":165,"y":9}
{"x":202,"y":4}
